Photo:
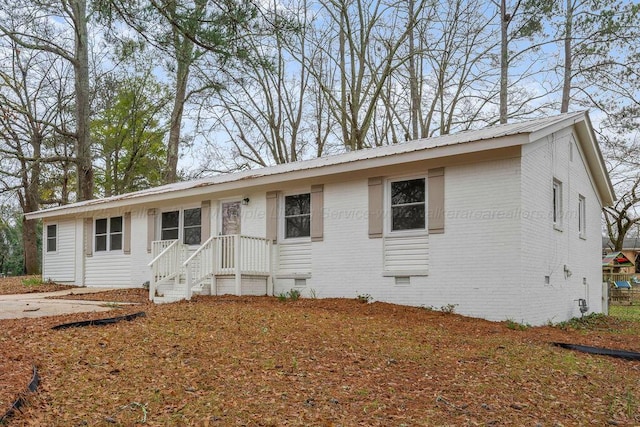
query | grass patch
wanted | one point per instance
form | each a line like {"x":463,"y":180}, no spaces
{"x":591,"y":321}
{"x":625,"y":312}
{"x":32,"y":281}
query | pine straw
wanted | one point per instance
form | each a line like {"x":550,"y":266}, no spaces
{"x":258,"y":361}
{"x":137,"y":295}
{"x":27,"y":285}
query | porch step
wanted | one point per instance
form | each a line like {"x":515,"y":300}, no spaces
{"x":170,"y":293}
{"x":166,"y":300}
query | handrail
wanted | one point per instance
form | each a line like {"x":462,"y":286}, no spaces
{"x":161,"y":254}
{"x":199,"y":250}
{"x":234,"y":255}
{"x":160,"y":270}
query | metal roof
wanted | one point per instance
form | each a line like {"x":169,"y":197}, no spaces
{"x":616,"y":259}
{"x":629,"y":243}
{"x":533,"y":128}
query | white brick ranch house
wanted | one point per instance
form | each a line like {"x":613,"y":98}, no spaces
{"x":503,"y":222}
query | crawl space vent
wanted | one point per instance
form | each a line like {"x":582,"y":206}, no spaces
{"x":403,"y":280}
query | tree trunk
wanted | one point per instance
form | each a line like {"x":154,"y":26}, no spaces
{"x":183,"y":48}
{"x":81,"y":69}
{"x":173,"y":145}
{"x":568,"y":34}
{"x":413,"y":77}
{"x":30,"y":246}
{"x":504,"y":60}
{"x":30,"y":203}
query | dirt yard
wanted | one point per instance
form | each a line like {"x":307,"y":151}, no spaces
{"x":258,"y":361}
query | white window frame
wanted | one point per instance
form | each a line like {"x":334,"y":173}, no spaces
{"x":108,"y":235}
{"x":283,"y":219}
{"x":556,"y":207}
{"x":181,"y":226}
{"x":46,"y":238}
{"x":388,"y":223}
{"x":582,"y":216}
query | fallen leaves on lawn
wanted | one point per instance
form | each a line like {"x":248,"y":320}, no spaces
{"x":258,"y":361}
{"x":27,"y":285}
{"x":137,"y":295}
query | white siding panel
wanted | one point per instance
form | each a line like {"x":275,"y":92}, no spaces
{"x":225,"y":286}
{"x":139,"y":258}
{"x":406,"y":253}
{"x":60,"y":266}
{"x":254,"y":286}
{"x":251,"y":285}
{"x":111,"y":269}
{"x":295,"y":258}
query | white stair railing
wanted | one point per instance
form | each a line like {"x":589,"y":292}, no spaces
{"x":227,"y":255}
{"x":166,"y":264}
{"x":254,"y":255}
{"x":200,"y":265}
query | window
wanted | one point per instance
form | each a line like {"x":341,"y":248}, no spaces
{"x":297,"y":215}
{"x":191,"y":220}
{"x":170,"y":225}
{"x":115,"y":233}
{"x":108,"y":234}
{"x":557,"y":203}
{"x":582,"y":213}
{"x":192,"y":226}
{"x":408,"y":205}
{"x":52,"y":238}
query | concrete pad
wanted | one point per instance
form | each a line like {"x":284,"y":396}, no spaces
{"x":18,"y":306}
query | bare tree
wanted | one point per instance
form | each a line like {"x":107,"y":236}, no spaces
{"x":360,"y":43}
{"x":35,"y":25}
{"x":30,"y":104}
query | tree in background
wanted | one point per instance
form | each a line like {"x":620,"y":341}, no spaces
{"x":128,"y":133}
{"x":33,"y":93}
{"x":59,"y":27}
{"x":12,"y":261}
{"x":194,"y":40}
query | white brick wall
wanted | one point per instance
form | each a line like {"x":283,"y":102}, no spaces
{"x":546,"y":250}
{"x":499,"y":242}
{"x":474,"y":264}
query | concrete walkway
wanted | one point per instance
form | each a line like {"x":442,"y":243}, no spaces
{"x":18,"y":306}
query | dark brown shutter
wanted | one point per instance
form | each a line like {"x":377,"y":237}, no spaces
{"x":436,"y":200}
{"x":376,"y":208}
{"x":88,"y":237}
{"x":317,"y":212}
{"x":205,"y":221}
{"x":126,"y":247}
{"x":272,"y":216}
{"x":151,"y":228}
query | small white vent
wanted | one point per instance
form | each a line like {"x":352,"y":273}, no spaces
{"x":403,"y":280}
{"x":300,"y":283}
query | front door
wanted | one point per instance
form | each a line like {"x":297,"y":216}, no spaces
{"x":230,"y":225}
{"x":230,"y":218}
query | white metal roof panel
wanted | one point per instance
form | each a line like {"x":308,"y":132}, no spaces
{"x":493,"y":132}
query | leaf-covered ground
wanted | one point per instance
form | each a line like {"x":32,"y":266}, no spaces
{"x":259,"y":361}
{"x":137,"y":295}
{"x":27,"y":285}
